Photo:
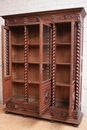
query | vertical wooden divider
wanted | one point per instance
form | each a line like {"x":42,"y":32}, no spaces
{"x":25,"y":65}
{"x":53,"y":64}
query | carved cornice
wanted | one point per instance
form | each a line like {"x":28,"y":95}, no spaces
{"x":48,"y":18}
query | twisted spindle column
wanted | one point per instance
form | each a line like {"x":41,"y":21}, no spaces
{"x":7,"y":51}
{"x":48,"y":53}
{"x":53,"y":64}
{"x":25,"y":64}
{"x":77,"y":66}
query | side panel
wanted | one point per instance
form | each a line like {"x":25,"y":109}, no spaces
{"x":6,"y":63}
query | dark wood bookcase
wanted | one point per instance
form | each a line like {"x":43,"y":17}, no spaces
{"x":42,"y":64}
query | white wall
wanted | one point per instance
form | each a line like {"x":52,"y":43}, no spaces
{"x":22,"y":6}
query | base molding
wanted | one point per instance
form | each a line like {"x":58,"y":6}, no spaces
{"x":53,"y":114}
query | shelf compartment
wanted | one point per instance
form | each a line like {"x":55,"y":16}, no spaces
{"x":63,"y":54}
{"x":18,"y":91}
{"x":17,"y":71}
{"x":33,"y":34}
{"x":63,"y":32}
{"x":17,"y":35}
{"x":33,"y":54}
{"x":62,"y":97}
{"x":33,"y":72}
{"x":33,"y":93}
{"x":63,"y":74}
{"x":17,"y":53}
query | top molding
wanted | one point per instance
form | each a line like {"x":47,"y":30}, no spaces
{"x":53,"y":16}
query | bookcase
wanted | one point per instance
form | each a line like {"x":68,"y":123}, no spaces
{"x":42,"y":64}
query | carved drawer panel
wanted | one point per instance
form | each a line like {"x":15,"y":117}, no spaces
{"x":59,"y":113}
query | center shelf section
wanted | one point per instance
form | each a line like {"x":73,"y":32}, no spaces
{"x":17,"y":53}
{"x":63,"y":74}
{"x":33,"y":73}
{"x":18,"y":71}
{"x":62,"y":97}
{"x":33,"y":54}
{"x":63,"y":54}
{"x":63,"y":31}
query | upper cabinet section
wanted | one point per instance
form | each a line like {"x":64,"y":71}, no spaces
{"x":76,"y":14}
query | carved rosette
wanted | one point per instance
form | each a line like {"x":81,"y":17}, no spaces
{"x":77,"y":66}
{"x":53,"y":64}
{"x":25,"y":64}
{"x":47,"y":96}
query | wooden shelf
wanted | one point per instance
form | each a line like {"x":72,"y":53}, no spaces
{"x":37,"y":44}
{"x":19,"y":62}
{"x":33,"y":100}
{"x":18,"y":98}
{"x":62,"y":44}
{"x":33,"y":82}
{"x":32,"y":62}
{"x":60,"y":63}
{"x":21,"y":99}
{"x":22,"y":81}
{"x":18,"y":80}
{"x":61,"y":104}
{"x":22,"y":44}
{"x":62,"y":84}
{"x":37,"y":62}
{"x":33,"y":44}
{"x":45,"y":44}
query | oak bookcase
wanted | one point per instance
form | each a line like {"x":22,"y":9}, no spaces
{"x":42,"y":64}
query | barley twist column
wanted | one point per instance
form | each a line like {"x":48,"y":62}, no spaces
{"x":77,"y":66}
{"x":7,"y":51}
{"x":25,"y":64}
{"x":53,"y":64}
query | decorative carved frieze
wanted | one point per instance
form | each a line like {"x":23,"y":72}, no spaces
{"x":48,"y":18}
{"x":64,"y":17}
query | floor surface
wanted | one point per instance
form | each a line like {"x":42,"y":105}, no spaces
{"x":17,"y":122}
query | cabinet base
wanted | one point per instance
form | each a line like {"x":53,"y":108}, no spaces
{"x":52,"y":114}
